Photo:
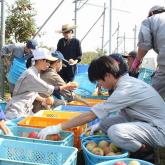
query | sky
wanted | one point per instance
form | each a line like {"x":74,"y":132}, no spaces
{"x":125,"y":14}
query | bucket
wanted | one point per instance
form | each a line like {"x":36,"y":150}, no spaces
{"x":17,"y":68}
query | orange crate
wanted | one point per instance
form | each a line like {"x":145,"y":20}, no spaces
{"x":41,"y":122}
{"x":57,"y":114}
{"x":90,"y":101}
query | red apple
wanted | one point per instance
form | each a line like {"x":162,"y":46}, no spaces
{"x":33,"y":135}
{"x":54,"y":137}
{"x":106,"y":150}
{"x":120,"y":163}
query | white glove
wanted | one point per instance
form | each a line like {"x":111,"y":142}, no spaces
{"x":49,"y":130}
{"x":94,"y":128}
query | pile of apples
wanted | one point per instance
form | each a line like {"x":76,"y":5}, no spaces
{"x":53,"y":137}
{"x":132,"y":162}
{"x":103,"y":148}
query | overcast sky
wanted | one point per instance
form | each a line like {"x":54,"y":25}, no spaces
{"x":126,"y":13}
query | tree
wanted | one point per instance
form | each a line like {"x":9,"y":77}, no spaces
{"x":20,"y":23}
{"x":87,"y":57}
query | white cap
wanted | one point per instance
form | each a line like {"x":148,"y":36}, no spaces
{"x":43,"y":53}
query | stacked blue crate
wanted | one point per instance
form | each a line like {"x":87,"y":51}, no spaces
{"x":145,"y":74}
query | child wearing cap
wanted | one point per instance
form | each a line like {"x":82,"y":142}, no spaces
{"x":29,"y":85}
{"x":52,"y":77}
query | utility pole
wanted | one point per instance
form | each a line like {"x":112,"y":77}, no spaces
{"x":124,"y":42}
{"x":102,"y":41}
{"x":135,"y":31}
{"x":75,"y":17}
{"x":2,"y":40}
{"x":117,"y":39}
{"x":110,"y":26}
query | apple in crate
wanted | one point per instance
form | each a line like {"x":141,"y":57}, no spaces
{"x":87,"y":133}
{"x":133,"y":162}
{"x":120,"y":163}
{"x":114,"y":148}
{"x":54,"y":137}
{"x":90,"y":145}
{"x":33,"y":135}
{"x":98,"y":151}
{"x":103,"y":143}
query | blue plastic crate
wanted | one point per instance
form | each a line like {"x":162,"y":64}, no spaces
{"x":83,"y":136}
{"x":92,"y":159}
{"x":82,"y":68}
{"x":17,"y":68}
{"x":14,"y":122}
{"x":73,"y":108}
{"x":3,"y":105}
{"x":126,"y":160}
{"x":86,"y":88}
{"x":19,"y":132}
{"x":15,"y":152}
{"x":96,"y":97}
{"x":145,"y":74}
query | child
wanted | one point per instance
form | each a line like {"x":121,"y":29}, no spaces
{"x":3,"y":126}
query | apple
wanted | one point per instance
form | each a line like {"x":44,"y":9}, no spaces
{"x":98,"y":151}
{"x":74,"y":84}
{"x":103,"y":143}
{"x":120,"y":163}
{"x":50,"y":100}
{"x":114,"y":148}
{"x":87,"y":133}
{"x":133,"y":162}
{"x":33,"y":135}
{"x":54,"y":137}
{"x":90,"y":145}
{"x":106,"y":150}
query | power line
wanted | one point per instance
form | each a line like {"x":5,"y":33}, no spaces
{"x":92,"y":26}
{"x":48,"y":19}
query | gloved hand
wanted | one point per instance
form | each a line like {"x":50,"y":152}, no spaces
{"x":49,"y":130}
{"x":135,"y":65}
{"x":93,"y":128}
